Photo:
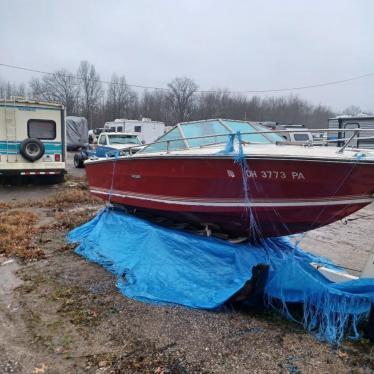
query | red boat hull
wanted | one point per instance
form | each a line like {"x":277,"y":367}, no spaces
{"x":285,"y":196}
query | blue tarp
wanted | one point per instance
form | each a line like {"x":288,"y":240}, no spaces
{"x":160,"y":265}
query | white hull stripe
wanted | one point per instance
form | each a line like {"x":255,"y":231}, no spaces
{"x":237,"y":203}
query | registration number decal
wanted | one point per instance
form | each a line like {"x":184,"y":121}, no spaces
{"x":275,"y":174}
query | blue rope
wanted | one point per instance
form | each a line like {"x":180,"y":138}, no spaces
{"x":239,"y":158}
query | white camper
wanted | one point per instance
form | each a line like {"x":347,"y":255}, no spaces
{"x":348,"y":124}
{"x":32,"y":139}
{"x":147,"y":130}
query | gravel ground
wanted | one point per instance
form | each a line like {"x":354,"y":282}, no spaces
{"x":62,"y":314}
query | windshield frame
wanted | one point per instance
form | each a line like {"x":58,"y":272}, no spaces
{"x":269,"y":135}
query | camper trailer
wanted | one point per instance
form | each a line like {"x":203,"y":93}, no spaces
{"x":147,"y":130}
{"x":76,"y":133}
{"x":32,"y":140}
{"x":347,"y":124}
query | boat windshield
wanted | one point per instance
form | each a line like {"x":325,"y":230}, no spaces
{"x":123,"y":139}
{"x":204,"y":133}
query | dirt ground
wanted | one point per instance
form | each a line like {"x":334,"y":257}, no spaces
{"x":30,"y":192}
{"x":61,"y":314}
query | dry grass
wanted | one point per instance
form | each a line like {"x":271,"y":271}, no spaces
{"x":68,"y":198}
{"x":67,"y":220}
{"x":17,"y":231}
{"x":4,"y":205}
{"x":18,"y":225}
{"x":64,"y":203}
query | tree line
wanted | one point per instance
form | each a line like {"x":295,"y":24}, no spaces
{"x":84,"y":94}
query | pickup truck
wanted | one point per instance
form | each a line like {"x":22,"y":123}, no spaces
{"x":107,"y":142}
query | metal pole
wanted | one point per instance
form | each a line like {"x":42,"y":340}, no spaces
{"x":348,"y":141}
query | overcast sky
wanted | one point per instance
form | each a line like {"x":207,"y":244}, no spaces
{"x":238,"y":45}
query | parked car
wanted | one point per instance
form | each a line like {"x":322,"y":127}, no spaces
{"x":107,"y":142}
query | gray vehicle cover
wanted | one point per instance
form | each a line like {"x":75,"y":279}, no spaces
{"x":76,"y":132}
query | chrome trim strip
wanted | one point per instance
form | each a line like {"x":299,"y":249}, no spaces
{"x":235,"y":203}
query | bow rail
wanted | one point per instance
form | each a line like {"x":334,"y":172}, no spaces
{"x":318,"y":142}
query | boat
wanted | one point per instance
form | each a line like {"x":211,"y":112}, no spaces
{"x":235,"y":175}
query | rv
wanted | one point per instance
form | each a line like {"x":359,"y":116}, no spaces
{"x":347,"y":124}
{"x":32,"y":139}
{"x":296,"y":134}
{"x":147,"y":130}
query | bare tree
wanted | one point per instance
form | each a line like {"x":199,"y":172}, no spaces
{"x":61,"y":87}
{"x":36,"y":89}
{"x":181,"y":98}
{"x":90,"y":89}
{"x":180,"y":102}
{"x":352,"y":110}
{"x":154,"y":105}
{"x":8,"y":89}
{"x":120,"y":99}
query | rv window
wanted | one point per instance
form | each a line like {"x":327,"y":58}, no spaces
{"x":113,"y":129}
{"x":119,"y":129}
{"x":137,"y":129}
{"x":41,"y":129}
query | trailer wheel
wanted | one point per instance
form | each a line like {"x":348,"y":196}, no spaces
{"x":32,"y":149}
{"x":78,"y":162}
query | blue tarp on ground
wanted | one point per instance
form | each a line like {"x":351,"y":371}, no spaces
{"x":160,"y":265}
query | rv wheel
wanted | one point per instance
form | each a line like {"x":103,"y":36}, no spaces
{"x":32,"y":149}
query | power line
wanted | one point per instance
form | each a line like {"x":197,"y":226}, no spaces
{"x":331,"y":83}
{"x":325,"y":84}
{"x":80,"y":78}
